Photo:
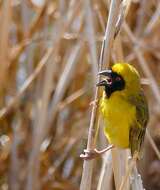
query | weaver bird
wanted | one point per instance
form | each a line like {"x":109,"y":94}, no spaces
{"x":123,"y":107}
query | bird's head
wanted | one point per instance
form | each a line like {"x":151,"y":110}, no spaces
{"x":122,"y":78}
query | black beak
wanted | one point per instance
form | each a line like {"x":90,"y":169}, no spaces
{"x":106,"y":73}
{"x":101,"y":83}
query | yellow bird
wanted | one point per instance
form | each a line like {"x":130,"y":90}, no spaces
{"x":123,"y":107}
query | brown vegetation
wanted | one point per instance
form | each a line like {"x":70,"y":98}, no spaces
{"x":49,"y":57}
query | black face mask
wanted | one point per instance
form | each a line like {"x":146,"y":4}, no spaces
{"x":113,"y":82}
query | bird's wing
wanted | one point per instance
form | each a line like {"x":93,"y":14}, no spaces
{"x":137,"y":130}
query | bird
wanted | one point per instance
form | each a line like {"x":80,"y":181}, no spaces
{"x":124,"y":109}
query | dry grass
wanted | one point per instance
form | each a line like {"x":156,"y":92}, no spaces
{"x":49,"y":56}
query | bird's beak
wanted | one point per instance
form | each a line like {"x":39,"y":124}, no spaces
{"x":106,"y":73}
{"x":101,"y":83}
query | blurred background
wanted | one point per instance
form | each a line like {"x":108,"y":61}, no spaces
{"x":49,"y":50}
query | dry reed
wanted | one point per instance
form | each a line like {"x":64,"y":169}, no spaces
{"x":50,"y":54}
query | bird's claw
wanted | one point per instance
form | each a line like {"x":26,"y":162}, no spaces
{"x":94,"y":102}
{"x":90,"y":154}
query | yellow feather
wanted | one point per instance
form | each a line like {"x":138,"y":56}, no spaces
{"x":118,"y":116}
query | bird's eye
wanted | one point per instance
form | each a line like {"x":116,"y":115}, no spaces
{"x":118,"y":78}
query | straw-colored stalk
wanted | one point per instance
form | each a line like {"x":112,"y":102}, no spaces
{"x":5,"y":21}
{"x":106,"y":174}
{"x":104,"y":59}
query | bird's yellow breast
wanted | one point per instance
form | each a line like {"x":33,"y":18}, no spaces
{"x":118,"y":115}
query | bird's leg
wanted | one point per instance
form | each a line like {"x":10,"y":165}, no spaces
{"x":92,"y":154}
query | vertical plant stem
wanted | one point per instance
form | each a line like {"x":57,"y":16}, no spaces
{"x":104,"y":59}
{"x":106,"y":175}
{"x":14,"y":160}
{"x":110,"y":31}
{"x":90,"y":33}
{"x":4,"y":42}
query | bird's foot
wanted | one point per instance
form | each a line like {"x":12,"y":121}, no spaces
{"x":92,"y":154}
{"x":94,"y":102}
